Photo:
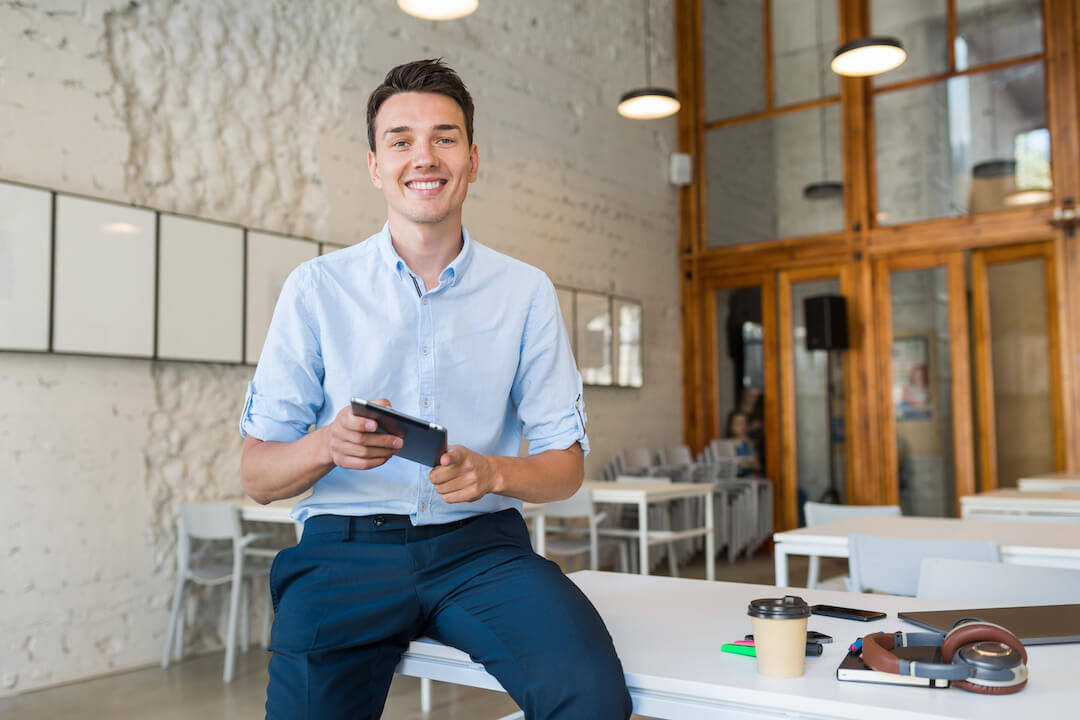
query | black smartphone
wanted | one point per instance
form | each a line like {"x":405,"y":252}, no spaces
{"x":422,"y":441}
{"x":812,"y":636}
{"x":847,"y":613}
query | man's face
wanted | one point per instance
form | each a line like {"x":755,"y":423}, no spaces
{"x":422,"y":161}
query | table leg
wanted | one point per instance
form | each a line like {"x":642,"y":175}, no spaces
{"x":780,"y":553}
{"x":643,"y":531}
{"x":425,"y":695}
{"x":540,"y":534}
{"x":710,"y":538}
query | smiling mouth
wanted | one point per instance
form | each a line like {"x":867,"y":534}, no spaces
{"x":425,"y":184}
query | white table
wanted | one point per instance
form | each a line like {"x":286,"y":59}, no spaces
{"x":1064,"y":481}
{"x":1012,"y":504}
{"x":280,"y":511}
{"x":1031,"y":543}
{"x":668,"y":632}
{"x":643,"y":494}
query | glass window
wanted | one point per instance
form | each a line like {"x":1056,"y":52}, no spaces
{"x":628,"y":343}
{"x":922,"y":392}
{"x":593,"y":346}
{"x":958,"y":146}
{"x":774,"y":178}
{"x":804,"y":35}
{"x":821,"y":478}
{"x":733,"y":45}
{"x":992,"y":30}
{"x":921,"y":26}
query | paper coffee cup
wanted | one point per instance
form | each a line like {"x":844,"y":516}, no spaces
{"x":780,"y":635}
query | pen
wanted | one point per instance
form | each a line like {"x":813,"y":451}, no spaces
{"x":744,"y":647}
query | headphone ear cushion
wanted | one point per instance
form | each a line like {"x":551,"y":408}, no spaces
{"x":975,"y":632}
{"x":988,"y":689}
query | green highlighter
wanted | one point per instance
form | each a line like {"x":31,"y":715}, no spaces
{"x":748,"y":650}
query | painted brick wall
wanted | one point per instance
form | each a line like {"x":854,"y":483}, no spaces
{"x":254,"y":113}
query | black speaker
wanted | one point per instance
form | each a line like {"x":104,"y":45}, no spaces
{"x":826,"y":322}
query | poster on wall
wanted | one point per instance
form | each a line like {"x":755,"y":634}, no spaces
{"x":200,"y":298}
{"x":270,"y":259}
{"x":912,"y":398}
{"x":628,"y":362}
{"x":592,"y":345}
{"x":105,"y":259}
{"x":25,"y":267}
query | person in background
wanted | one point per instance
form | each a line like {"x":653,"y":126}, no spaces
{"x":738,"y":429}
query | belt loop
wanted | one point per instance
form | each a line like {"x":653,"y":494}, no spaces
{"x":349,"y":523}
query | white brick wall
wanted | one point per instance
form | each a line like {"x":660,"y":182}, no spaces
{"x":176,"y":109}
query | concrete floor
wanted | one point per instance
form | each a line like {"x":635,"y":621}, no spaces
{"x":193,"y":688}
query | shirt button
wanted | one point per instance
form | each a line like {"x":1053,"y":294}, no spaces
{"x":424,"y":301}
{"x":427,"y":403}
{"x":423,"y":507}
{"x":425,"y":350}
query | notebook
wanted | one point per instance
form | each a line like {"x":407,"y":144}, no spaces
{"x":853,"y":669}
{"x":1034,"y":625}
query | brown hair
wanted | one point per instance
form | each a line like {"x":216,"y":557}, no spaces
{"x":432,"y":76}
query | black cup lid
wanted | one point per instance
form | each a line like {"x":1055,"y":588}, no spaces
{"x":789,"y":607}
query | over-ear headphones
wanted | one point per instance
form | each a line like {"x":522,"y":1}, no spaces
{"x":976,"y":656}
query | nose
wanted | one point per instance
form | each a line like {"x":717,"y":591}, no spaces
{"x":423,"y":157}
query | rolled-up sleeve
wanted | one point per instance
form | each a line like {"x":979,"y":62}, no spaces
{"x":547,"y":388}
{"x":286,"y":393}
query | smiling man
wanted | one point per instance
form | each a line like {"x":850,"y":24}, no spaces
{"x":422,"y":316}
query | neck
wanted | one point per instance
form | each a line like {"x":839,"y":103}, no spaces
{"x":427,"y":249}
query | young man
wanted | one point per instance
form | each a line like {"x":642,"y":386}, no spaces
{"x":448,"y":330}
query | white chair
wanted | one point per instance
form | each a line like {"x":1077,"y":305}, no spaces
{"x":198,"y":561}
{"x":676,"y":455}
{"x":824,"y":513}
{"x":569,"y":541}
{"x":635,"y":460}
{"x":892,"y":565}
{"x":989,"y":584}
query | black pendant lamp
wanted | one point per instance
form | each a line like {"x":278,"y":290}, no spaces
{"x":868,"y":56}
{"x":648,"y":103}
{"x":438,"y":9}
{"x":822,"y":189}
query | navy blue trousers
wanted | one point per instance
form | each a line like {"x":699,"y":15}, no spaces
{"x":354,"y":592}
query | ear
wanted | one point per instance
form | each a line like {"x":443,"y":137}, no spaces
{"x":474,"y":163}
{"x":373,"y":169}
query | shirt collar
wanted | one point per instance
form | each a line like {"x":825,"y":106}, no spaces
{"x":451,"y":274}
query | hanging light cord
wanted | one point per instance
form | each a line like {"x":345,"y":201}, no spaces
{"x":648,"y":48}
{"x":821,"y":85}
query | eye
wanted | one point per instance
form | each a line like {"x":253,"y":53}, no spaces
{"x":445,"y":141}
{"x":399,"y":144}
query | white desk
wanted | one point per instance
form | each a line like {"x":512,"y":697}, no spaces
{"x":668,"y":632}
{"x":1060,"y":481}
{"x":1011,"y":504}
{"x":1033,"y":543}
{"x":280,"y":511}
{"x":642,"y":494}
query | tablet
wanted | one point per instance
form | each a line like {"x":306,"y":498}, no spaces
{"x":422,"y":441}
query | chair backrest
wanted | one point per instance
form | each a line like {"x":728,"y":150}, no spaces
{"x":823,"y":513}
{"x":578,"y":505}
{"x":892,"y":565}
{"x":723,"y":448}
{"x":676,"y":455}
{"x":988,"y":584}
{"x":636,"y":459}
{"x":210,"y":521}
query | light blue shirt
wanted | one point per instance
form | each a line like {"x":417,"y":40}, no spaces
{"x":485,"y":354}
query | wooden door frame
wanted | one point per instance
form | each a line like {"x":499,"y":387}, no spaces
{"x":959,"y":364}
{"x":709,"y":427}
{"x":984,"y":366}
{"x":787,"y":507}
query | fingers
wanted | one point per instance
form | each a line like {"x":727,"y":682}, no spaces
{"x":384,"y":402}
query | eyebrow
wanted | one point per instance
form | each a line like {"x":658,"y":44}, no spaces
{"x":405,"y":128}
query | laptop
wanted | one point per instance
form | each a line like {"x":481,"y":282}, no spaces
{"x":1035,"y":625}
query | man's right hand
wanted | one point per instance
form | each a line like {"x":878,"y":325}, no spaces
{"x":354,"y":444}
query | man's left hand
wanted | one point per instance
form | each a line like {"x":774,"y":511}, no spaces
{"x":463,"y":475}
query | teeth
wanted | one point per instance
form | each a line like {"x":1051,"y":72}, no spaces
{"x":425,"y":185}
